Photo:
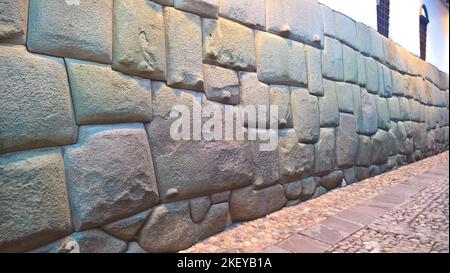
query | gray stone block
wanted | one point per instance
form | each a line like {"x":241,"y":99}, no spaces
{"x":139,"y":41}
{"x":293,"y":190}
{"x":221,"y":84}
{"x":371,"y":75}
{"x":332,"y":180}
{"x":204,"y":8}
{"x":309,"y":185}
{"x":328,"y":106}
{"x":280,"y":95}
{"x":376,"y":45}
{"x":34,"y":207}
{"x":325,"y":159}
{"x":13,"y":21}
{"x":386,"y":88}
{"x":115,"y":164}
{"x":36,"y":108}
{"x":344,"y":93}
{"x":314,"y":68}
{"x":404,"y":108}
{"x":76,"y":31}
{"x":199,"y":207}
{"x":216,"y":220}
{"x":398,"y":83}
{"x":364,"y":151}
{"x":279,"y":60}
{"x":251,"y":13}
{"x":394,"y":109}
{"x":229,"y":44}
{"x":183,"y":35}
{"x":328,"y":21}
{"x":367,"y":119}
{"x":346,"y":141}
{"x":127,"y":229}
{"x":362,"y":80}
{"x":332,"y":60}
{"x":350,"y":64}
{"x":305,"y":114}
{"x":364,"y":38}
{"x":254,"y":93}
{"x":94,"y":241}
{"x":380,"y":149}
{"x":265,"y":162}
{"x":384,"y":119}
{"x":345,"y":29}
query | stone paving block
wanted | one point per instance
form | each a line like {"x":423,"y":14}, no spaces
{"x":247,"y":203}
{"x":332,"y":60}
{"x":229,"y":44}
{"x":332,"y":230}
{"x":280,"y":95}
{"x":346,"y":141}
{"x":383,"y":117}
{"x":254,"y":93}
{"x":275,"y":249}
{"x":364,"y":150}
{"x":221,"y":84}
{"x":13,"y":21}
{"x":251,"y":13}
{"x":344,"y":93}
{"x":345,"y":29}
{"x":36,"y":108}
{"x":371,"y":75}
{"x":328,"y":106}
{"x":84,"y":32}
{"x":114,"y":162}
{"x":355,"y":217}
{"x":139,"y":42}
{"x":325,"y":151}
{"x":296,"y":160}
{"x":101,"y":95}
{"x":367,"y":119}
{"x":279,"y":60}
{"x":34,"y":207}
{"x":305,"y":114}
{"x":299,"y":20}
{"x":350,"y":64}
{"x":302,"y":244}
{"x":314,"y":68}
{"x":203,"y":8}
{"x":184,"y":49}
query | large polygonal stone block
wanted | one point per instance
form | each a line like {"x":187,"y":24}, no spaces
{"x":376,"y":45}
{"x":280,"y":95}
{"x":325,"y":159}
{"x":346,"y":141}
{"x":371,"y":75}
{"x":332,"y":180}
{"x":314,"y":68}
{"x":184,"y":49}
{"x":364,"y":38}
{"x":228,"y":44}
{"x":248,"y":204}
{"x":36,"y":108}
{"x":139,"y":41}
{"x":216,"y":220}
{"x":398,"y":83}
{"x":384,"y":119}
{"x":328,"y":106}
{"x":204,"y":8}
{"x":305,"y":114}
{"x":279,"y":60}
{"x":345,"y":29}
{"x":299,"y":20}
{"x":364,"y":151}
{"x":81,"y":31}
{"x":380,"y":149}
{"x":350,"y":64}
{"x":34,"y":207}
{"x":328,"y":21}
{"x":367,"y":119}
{"x":344,"y":93}
{"x":385,"y":87}
{"x":404,"y":108}
{"x":362,"y":80}
{"x":265,"y":162}
{"x":394,"y":108}
{"x":101,"y":95}
{"x":109,"y":174}
{"x":251,"y":13}
{"x":13,"y":21}
{"x":254,"y":93}
{"x":332,"y":60}
{"x":221,"y":84}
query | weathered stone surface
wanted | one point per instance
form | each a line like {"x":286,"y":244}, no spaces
{"x":221,"y":85}
{"x":405,"y":144}
{"x":184,"y":49}
{"x":350,"y":175}
{"x":101,"y":95}
{"x":376,"y":45}
{"x":394,"y":108}
{"x":380,"y":151}
{"x":363,"y":37}
{"x":215,"y":221}
{"x":404,"y":108}
{"x":34,"y":207}
{"x":204,"y":8}
{"x":293,"y":190}
{"x":383,"y":117}
{"x":251,"y":13}
{"x":345,"y":29}
{"x":13,"y":21}
{"x":319,"y":191}
{"x":367,"y":119}
{"x":328,"y":21}
{"x":164,"y":2}
{"x":364,"y":151}
{"x":77,"y":31}
{"x":248,"y":204}
{"x":280,"y":95}
{"x":385,"y":89}
{"x":220,"y":197}
{"x":265,"y":161}
{"x":225,"y":165}
{"x":93,"y":241}
{"x":199,"y":207}
{"x":362,"y":173}
{"x":296,"y":160}
{"x":305,"y":114}
{"x":350,"y":64}
{"x":314,"y":68}
{"x":308,"y":188}
{"x":332,"y":180}
{"x":169,"y":228}
{"x":279,"y":60}
{"x":344,"y":93}
{"x":126,"y":229}
{"x":229,"y":44}
{"x":254,"y":93}
{"x":332,"y":60}
{"x":325,"y":158}
{"x":299,"y":20}
{"x":346,"y":141}
{"x":139,"y":41}
{"x":398,"y":83}
{"x":371,"y":75}
{"x":36,"y":108}
{"x":134,"y":247}
{"x":328,"y":105}
{"x":114,"y":163}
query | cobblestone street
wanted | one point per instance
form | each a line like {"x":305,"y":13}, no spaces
{"x":406,"y":210}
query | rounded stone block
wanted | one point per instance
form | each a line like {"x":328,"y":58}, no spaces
{"x":13,"y":21}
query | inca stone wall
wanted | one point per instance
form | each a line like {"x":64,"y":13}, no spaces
{"x":86,"y":88}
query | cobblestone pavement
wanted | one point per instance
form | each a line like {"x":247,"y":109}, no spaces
{"x":405,"y":210}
